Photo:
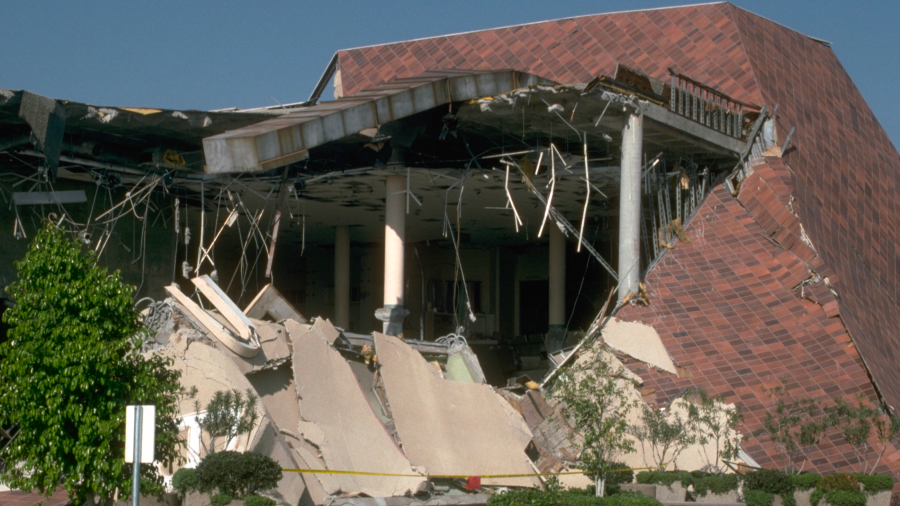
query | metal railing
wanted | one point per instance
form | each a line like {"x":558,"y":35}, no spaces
{"x":706,"y":106}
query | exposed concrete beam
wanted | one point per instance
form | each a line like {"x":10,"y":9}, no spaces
{"x":288,"y":138}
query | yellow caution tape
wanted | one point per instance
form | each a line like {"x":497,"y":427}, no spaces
{"x":453,"y":476}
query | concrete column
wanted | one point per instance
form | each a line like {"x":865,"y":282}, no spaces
{"x":394,"y":232}
{"x":630,"y":205}
{"x":342,"y":277}
{"x":556,"y":334}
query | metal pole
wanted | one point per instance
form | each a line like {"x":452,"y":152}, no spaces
{"x":136,"y":477}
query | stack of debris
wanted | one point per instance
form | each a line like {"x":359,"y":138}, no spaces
{"x":376,"y":416}
{"x":335,"y":401}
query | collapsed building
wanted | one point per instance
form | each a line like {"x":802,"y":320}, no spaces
{"x":476,"y":201}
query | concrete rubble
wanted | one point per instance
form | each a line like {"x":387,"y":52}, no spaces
{"x":416,"y":413}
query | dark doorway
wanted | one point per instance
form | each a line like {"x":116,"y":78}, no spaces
{"x":534,"y":301}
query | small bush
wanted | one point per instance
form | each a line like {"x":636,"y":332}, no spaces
{"x":806,"y":481}
{"x":666,"y":478}
{"x":620,"y":475}
{"x":771,"y":481}
{"x":237,"y":474}
{"x":220,"y":499}
{"x":759,"y":498}
{"x":258,"y":500}
{"x":874,"y":483}
{"x":184,"y":480}
{"x":630,"y":499}
{"x":534,"y":497}
{"x":715,"y":484}
{"x":839,"y":497}
{"x":838,"y":481}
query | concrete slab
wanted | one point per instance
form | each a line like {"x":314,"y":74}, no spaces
{"x":329,"y":395}
{"x":452,"y":428}
{"x":639,"y":341}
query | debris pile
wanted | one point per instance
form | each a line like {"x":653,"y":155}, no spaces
{"x":375,"y":416}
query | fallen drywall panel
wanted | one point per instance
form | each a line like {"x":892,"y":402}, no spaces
{"x":450,"y":427}
{"x":639,"y":341}
{"x":354,"y":438}
{"x":269,"y":301}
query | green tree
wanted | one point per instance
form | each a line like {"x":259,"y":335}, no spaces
{"x":666,"y":433}
{"x":793,"y":427}
{"x":228,"y":415}
{"x":864,"y":426}
{"x":715,"y":421}
{"x":593,"y":396}
{"x":71,"y":364}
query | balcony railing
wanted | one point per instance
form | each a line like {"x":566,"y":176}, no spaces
{"x":707,"y":106}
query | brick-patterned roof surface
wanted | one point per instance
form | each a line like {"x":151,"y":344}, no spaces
{"x":16,"y":498}
{"x":845,"y":171}
{"x":728,"y":309}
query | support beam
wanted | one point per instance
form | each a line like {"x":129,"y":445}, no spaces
{"x":394,"y":233}
{"x":556,"y":335}
{"x":630,"y":205}
{"x":342,"y":277}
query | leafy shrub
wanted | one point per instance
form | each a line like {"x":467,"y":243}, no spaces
{"x":806,"y":481}
{"x":759,"y":498}
{"x":838,"y":481}
{"x":620,"y":474}
{"x":533,"y":497}
{"x":839,"y":497}
{"x":220,"y":499}
{"x":184,"y":480}
{"x":874,"y":483}
{"x":630,"y":499}
{"x":715,"y":484}
{"x":258,"y":500}
{"x":666,"y":478}
{"x":771,"y":481}
{"x":237,"y":474}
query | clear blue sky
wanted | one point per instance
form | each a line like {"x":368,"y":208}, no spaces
{"x":211,"y":55}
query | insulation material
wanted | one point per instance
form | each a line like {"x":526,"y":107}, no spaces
{"x":639,"y":341}
{"x":450,"y":427}
{"x":329,"y":396}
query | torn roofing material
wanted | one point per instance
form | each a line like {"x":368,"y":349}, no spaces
{"x":289,"y":138}
{"x":354,"y":438}
{"x":449,"y":427}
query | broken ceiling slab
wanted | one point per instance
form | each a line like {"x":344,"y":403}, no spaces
{"x":448,"y":427}
{"x":209,"y":370}
{"x":269,"y":302}
{"x":329,"y":396}
{"x":273,"y":346}
{"x":638,"y":341}
{"x":288,"y":138}
{"x":226,"y":306}
{"x":211,"y":326}
{"x":278,"y":394}
{"x":61,"y":197}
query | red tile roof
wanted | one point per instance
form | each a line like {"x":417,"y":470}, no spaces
{"x":845,"y":173}
{"x":728,"y":308}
